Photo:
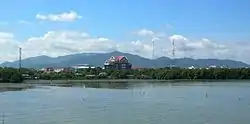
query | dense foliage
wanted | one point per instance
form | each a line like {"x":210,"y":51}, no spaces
{"x":160,"y":74}
{"x":10,"y":75}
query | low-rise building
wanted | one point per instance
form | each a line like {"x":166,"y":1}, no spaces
{"x":49,"y":69}
{"x":212,"y":66}
{"x":83,"y":66}
{"x":57,"y":70}
{"x":117,"y":62}
{"x":191,"y":67}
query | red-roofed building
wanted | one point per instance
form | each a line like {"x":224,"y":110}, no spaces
{"x":117,"y":62}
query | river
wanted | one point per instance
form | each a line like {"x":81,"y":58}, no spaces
{"x":129,"y":103}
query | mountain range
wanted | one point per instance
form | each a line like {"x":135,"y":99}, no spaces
{"x":97,"y":59}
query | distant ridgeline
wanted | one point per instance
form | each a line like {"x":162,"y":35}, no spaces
{"x":14,"y":76}
{"x":98,"y":60}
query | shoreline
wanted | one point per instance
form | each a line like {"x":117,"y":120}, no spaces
{"x":28,"y":84}
{"x":14,"y":86}
{"x":128,"y":81}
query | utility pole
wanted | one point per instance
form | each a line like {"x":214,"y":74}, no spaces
{"x":20,"y":58}
{"x":153,"y":52}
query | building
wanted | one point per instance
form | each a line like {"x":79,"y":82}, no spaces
{"x":57,"y":70}
{"x":117,"y":62}
{"x":83,"y":66}
{"x":47,"y":70}
{"x":191,"y":67}
{"x":212,"y":66}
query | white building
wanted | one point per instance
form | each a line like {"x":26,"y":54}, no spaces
{"x":212,"y":66}
{"x":83,"y":66}
{"x":191,"y":67}
{"x":58,"y":70}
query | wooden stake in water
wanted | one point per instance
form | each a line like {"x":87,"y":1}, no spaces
{"x":3,"y":116}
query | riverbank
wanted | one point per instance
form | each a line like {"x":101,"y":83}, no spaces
{"x":27,"y":84}
{"x":88,"y":81}
{"x":124,"y":80}
{"x":15,"y":86}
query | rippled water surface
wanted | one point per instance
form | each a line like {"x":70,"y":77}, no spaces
{"x":226,"y":103}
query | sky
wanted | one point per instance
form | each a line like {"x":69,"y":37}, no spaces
{"x":200,"y":29}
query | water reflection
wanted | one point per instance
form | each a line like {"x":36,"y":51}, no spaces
{"x":106,"y":85}
{"x":140,"y":103}
{"x":119,"y":85}
{"x":109,"y":85}
{"x":116,"y":85}
{"x":14,"y":87}
{"x":4,"y":89}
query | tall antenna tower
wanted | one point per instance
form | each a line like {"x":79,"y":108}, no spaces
{"x":20,"y":58}
{"x":173,"y":54}
{"x":153,"y":51}
{"x":173,"y":50}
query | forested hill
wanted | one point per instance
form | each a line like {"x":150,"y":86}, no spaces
{"x":97,"y":59}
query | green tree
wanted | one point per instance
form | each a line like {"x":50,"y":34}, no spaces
{"x":16,"y":78}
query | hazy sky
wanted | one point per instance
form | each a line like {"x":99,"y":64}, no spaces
{"x":200,"y":28}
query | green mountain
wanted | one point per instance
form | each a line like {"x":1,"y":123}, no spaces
{"x":97,"y":59}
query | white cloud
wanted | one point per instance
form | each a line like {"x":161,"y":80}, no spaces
{"x":142,"y":48}
{"x":62,"y":17}
{"x":177,"y":38}
{"x":203,"y":48}
{"x":103,"y":39}
{"x":55,"y":43}
{"x":148,"y":33}
{"x":64,"y":42}
{"x":24,"y":22}
{"x":8,"y":47}
{"x":6,"y":35}
{"x":144,"y":32}
{"x":184,"y":44}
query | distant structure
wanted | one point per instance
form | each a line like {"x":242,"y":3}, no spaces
{"x":83,"y":66}
{"x":117,"y":62}
{"x":173,"y":54}
{"x":47,"y":70}
{"x":20,"y":57}
{"x":153,"y":48}
{"x":56,"y":70}
{"x":173,"y":50}
{"x":191,"y":67}
{"x":153,"y":51}
{"x":212,"y":66}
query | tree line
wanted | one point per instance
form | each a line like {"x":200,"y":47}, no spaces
{"x":159,"y":74}
{"x":12,"y":75}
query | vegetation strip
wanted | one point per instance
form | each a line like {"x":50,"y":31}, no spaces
{"x":12,"y":75}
